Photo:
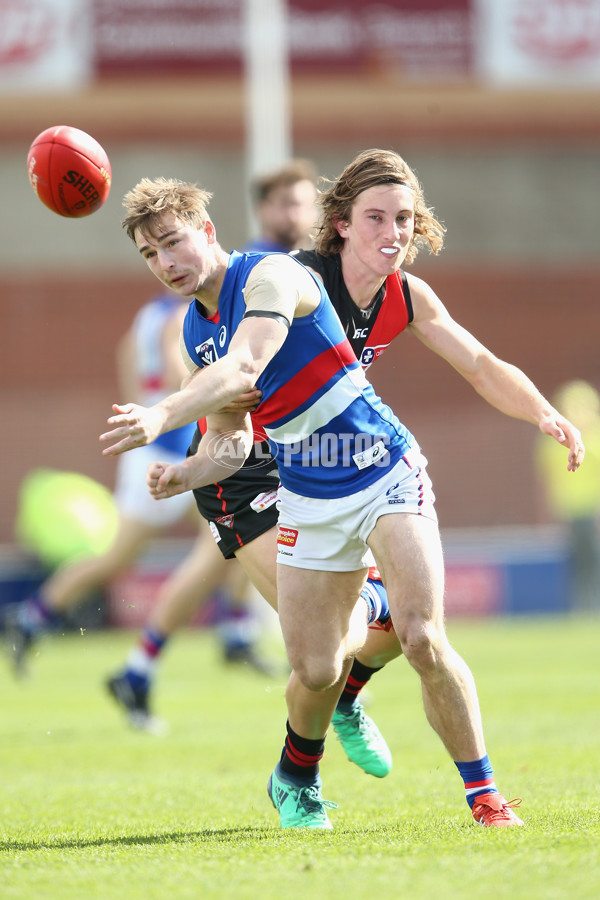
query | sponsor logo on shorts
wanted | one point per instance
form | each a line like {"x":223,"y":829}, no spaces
{"x":225,"y":521}
{"x":214,"y":531}
{"x":263,"y":501}
{"x":392,"y":496}
{"x":287,"y":536}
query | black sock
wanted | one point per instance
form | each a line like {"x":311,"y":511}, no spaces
{"x":358,"y":677}
{"x":300,"y":756}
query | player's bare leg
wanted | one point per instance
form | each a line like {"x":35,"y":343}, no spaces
{"x":323,"y":627}
{"x":408,"y":551}
{"x":362,"y":741}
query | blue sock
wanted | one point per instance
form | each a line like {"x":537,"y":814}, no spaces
{"x":141,"y":662}
{"x":153,"y":641}
{"x":478,"y":777}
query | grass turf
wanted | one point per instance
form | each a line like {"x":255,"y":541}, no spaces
{"x":91,"y":809}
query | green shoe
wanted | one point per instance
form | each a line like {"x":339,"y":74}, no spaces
{"x":299,"y":807}
{"x":362,"y":741}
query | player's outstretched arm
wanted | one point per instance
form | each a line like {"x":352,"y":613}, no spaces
{"x":211,"y":389}
{"x":502,"y":384}
{"x":556,"y":426}
{"x":133,"y":426}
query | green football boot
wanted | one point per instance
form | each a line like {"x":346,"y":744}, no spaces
{"x":298,"y":806}
{"x":362,"y":741}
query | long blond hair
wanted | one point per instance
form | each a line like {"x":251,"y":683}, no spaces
{"x":368,"y":169}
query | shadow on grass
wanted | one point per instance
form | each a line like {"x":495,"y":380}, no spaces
{"x":206,"y":835}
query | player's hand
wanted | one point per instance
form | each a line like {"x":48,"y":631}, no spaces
{"x":166,"y":480}
{"x":133,"y":426}
{"x":245,"y":402}
{"x":565,"y":433}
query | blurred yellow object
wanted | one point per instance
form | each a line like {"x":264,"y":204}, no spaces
{"x":573,"y":495}
{"x":64,"y":515}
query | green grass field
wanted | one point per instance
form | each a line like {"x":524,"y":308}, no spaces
{"x":91,"y":810}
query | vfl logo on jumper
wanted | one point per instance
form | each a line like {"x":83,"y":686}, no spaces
{"x":287,"y":536}
{"x":225,"y":521}
{"x":207,"y":352}
{"x":263,"y":501}
{"x":370,"y":456}
{"x":393,"y":498}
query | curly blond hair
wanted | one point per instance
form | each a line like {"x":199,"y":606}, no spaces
{"x":152,"y":198}
{"x":368,"y":169}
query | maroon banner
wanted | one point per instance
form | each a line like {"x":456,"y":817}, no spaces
{"x":430,"y":40}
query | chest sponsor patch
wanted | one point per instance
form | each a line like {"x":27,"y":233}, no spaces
{"x":263,"y":501}
{"x":287,"y":536}
{"x":370,"y":354}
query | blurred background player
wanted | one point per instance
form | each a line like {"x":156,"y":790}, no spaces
{"x":149,"y":365}
{"x":576,"y":501}
{"x":285,"y":208}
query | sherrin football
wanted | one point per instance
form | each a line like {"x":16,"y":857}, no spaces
{"x":69,"y":171}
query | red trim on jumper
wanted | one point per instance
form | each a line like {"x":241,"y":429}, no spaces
{"x":306,"y":382}
{"x":392,"y":317}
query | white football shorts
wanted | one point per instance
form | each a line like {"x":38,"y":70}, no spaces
{"x":331,"y":535}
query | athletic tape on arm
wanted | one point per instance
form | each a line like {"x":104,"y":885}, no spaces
{"x":274,"y":288}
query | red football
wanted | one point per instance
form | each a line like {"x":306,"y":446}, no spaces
{"x":69,"y":171}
